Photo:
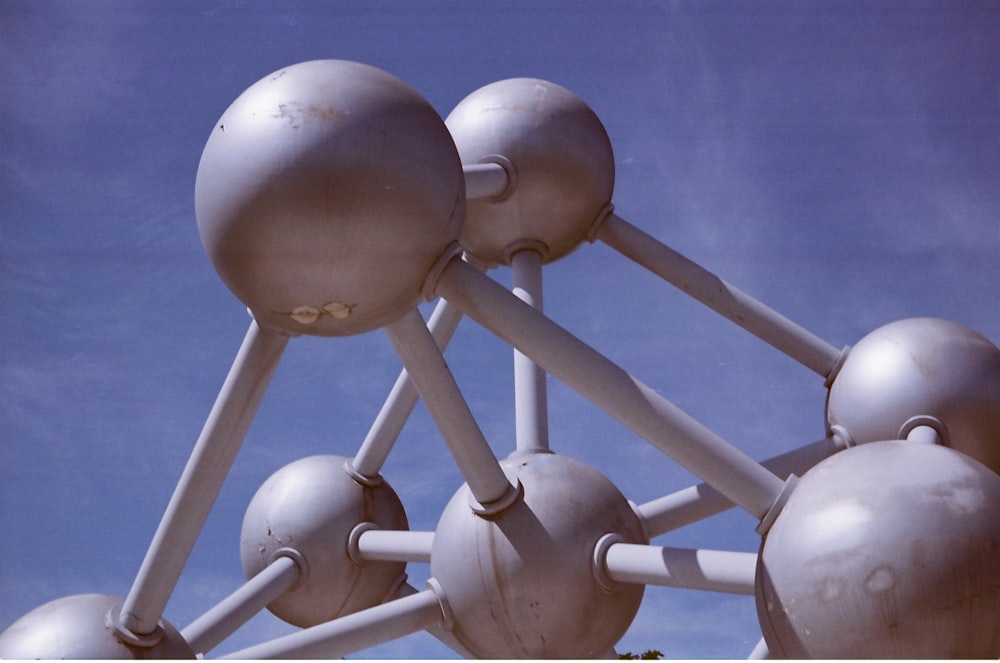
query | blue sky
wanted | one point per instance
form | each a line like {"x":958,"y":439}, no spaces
{"x":837,"y":160}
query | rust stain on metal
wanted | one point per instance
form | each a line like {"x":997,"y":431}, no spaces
{"x":338,"y":310}
{"x":297,"y":114}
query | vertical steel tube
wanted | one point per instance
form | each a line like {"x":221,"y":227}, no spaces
{"x":696,"y":503}
{"x":598,"y":379}
{"x":706,"y":570}
{"x":768,"y":325}
{"x":437,"y":387}
{"x":199,"y":485}
{"x":238,"y":608}
{"x":530,"y":396}
{"x":402,"y":398}
{"x":359,"y":630}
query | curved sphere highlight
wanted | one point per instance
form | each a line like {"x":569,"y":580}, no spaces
{"x":885,"y":550}
{"x":324,"y":195}
{"x":521,"y":584}
{"x":922,"y":367}
{"x":311,"y":505}
{"x":561,"y":160}
{"x":75,"y":627}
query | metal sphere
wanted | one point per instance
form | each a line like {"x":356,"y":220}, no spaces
{"x":521,"y":584}
{"x":922,"y":366}
{"x":325,"y":194}
{"x":885,"y":550}
{"x":560,"y":157}
{"x":310,"y":507}
{"x":76,"y":627}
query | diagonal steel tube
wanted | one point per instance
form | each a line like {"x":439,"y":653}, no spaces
{"x":760,"y":652}
{"x":444,"y":401}
{"x":598,"y":379}
{"x":696,"y":503}
{"x":385,"y":430}
{"x":359,"y":630}
{"x":441,"y":629}
{"x":731,"y":302}
{"x":199,"y":485}
{"x":206,"y":632}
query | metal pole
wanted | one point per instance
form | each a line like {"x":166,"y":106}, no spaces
{"x":706,"y":570}
{"x":765,"y":323}
{"x":485,"y":180}
{"x":530,"y":396}
{"x":924,"y":435}
{"x":696,"y":503}
{"x":760,"y":652}
{"x":609,"y":387}
{"x":350,"y":633}
{"x":199,"y":485}
{"x":378,"y":545}
{"x":238,"y":608}
{"x":437,"y":387}
{"x":399,"y":404}
{"x":442,"y":629}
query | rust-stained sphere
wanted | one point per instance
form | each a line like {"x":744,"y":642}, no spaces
{"x":325,"y":194}
{"x":521,"y":584}
{"x":885,"y":550}
{"x":561,"y":167}
{"x":309,"y":507}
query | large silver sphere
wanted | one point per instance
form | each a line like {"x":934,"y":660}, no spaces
{"x":76,"y":627}
{"x":885,"y":550}
{"x":325,"y":194}
{"x":311,"y":506}
{"x":521,"y":584}
{"x":562,"y":162}
{"x":922,"y":366}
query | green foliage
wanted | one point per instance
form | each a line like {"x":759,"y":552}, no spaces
{"x":648,"y":655}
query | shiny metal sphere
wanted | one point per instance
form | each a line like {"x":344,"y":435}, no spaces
{"x":922,"y":366}
{"x":521,"y":584}
{"x":560,"y":159}
{"x":310,"y":507}
{"x":76,"y":627}
{"x":325,"y":194}
{"x":885,"y":550}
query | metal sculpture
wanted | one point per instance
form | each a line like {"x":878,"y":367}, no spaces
{"x":330,"y":198}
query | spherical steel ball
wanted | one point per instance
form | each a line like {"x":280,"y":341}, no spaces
{"x":885,"y":550}
{"x":560,"y":162}
{"x":310,"y":506}
{"x":325,"y":194}
{"x":922,"y":366}
{"x":77,"y":627}
{"x":521,"y":584}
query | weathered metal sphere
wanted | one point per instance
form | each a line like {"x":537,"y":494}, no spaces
{"x":76,"y":627}
{"x":521,"y":584}
{"x":561,"y":159}
{"x":922,"y":366}
{"x":325,"y":194}
{"x":885,"y":550}
{"x":310,"y":506}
